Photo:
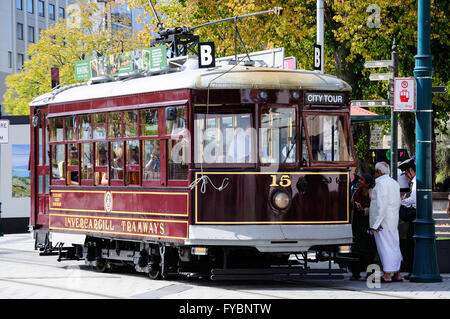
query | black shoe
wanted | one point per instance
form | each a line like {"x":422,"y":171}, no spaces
{"x":407,"y":276}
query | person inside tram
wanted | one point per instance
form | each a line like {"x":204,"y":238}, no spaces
{"x":153,"y":165}
{"x":117,"y":164}
{"x":73,"y":175}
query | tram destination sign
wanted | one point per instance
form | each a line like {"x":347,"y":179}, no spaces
{"x":325,"y":98}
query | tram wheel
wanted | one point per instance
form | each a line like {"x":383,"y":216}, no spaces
{"x":101,"y":266}
{"x":154,"y":271}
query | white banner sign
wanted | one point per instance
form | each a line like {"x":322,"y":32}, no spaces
{"x":4,"y":131}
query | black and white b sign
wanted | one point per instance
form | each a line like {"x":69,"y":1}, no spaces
{"x":317,"y":57}
{"x":206,"y":55}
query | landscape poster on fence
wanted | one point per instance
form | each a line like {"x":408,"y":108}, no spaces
{"x":120,"y":63}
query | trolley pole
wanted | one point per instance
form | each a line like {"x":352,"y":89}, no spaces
{"x":394,"y":115}
{"x":425,"y":267}
{"x":320,"y":7}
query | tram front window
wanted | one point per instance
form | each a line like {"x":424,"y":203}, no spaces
{"x":328,"y":137}
{"x":224,"y":138}
{"x":278,"y":135}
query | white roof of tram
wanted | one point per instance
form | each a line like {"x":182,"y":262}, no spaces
{"x":190,"y":77}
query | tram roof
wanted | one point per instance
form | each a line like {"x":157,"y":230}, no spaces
{"x":221,"y":77}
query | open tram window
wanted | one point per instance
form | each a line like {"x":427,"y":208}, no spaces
{"x":84,"y":127}
{"x":58,"y":163}
{"x":115,"y":125}
{"x":130,"y":119}
{"x":70,"y":127}
{"x":86,"y":163}
{"x":132,"y":163}
{"x":178,"y":159}
{"x":224,"y":136}
{"x":175,"y":119}
{"x":151,"y":164}
{"x":278,"y":135}
{"x":73,"y":176}
{"x":149,"y":122}
{"x":101,"y":164}
{"x":116,"y":161}
{"x":99,"y":126}
{"x":56,"y":129}
{"x":328,"y":138}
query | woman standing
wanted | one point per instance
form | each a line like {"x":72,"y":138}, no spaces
{"x":363,"y":246}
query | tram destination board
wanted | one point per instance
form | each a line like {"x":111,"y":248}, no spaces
{"x":325,"y":98}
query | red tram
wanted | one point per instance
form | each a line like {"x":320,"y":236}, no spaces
{"x":217,"y":172}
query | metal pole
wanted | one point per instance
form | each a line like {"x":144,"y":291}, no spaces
{"x":1,"y":232}
{"x":320,"y":31}
{"x":394,"y":118}
{"x":425,"y":266}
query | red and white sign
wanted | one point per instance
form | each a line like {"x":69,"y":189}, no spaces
{"x":404,"y":94}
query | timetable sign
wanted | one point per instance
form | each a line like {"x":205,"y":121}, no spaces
{"x":4,"y":131}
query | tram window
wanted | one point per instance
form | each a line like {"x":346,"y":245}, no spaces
{"x":130,"y":123}
{"x":70,"y":124}
{"x":177,"y":124}
{"x":149,"y":122}
{"x":99,"y":122}
{"x":56,"y":129}
{"x":85,"y":127}
{"x":178,"y":157}
{"x":224,"y":138}
{"x":277,"y":135}
{"x":151,"y":159}
{"x":101,"y":163}
{"x":115,"y":125}
{"x":86,"y":161}
{"x":132,"y":161}
{"x":305,"y":154}
{"x":73,"y":176}
{"x":58,"y":164}
{"x":328,"y":137}
{"x":117,"y":160}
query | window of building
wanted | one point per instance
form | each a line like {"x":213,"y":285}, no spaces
{"x":41,"y":8}
{"x":10,"y":62}
{"x":62,"y":13}
{"x":31,"y":34}
{"x":19,"y":31}
{"x":19,"y":5}
{"x":30,"y":6}
{"x":19,"y":61}
{"x":51,"y":11}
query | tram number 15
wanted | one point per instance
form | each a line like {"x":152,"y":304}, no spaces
{"x":284,"y":181}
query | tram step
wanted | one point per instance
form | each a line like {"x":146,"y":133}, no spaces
{"x":275,"y":270}
{"x":276,"y":277}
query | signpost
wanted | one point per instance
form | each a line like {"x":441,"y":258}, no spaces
{"x":405,"y":94}
{"x":378,"y":64}
{"x":381,"y":76}
{"x":370,"y":103}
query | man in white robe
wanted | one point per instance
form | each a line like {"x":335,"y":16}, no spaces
{"x":383,"y":219}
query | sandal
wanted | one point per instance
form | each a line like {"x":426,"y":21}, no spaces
{"x":396,"y":279}
{"x":384,"y":280}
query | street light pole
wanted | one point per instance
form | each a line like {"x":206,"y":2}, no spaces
{"x":425,"y":267}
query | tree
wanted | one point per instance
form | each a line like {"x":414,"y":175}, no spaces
{"x":79,"y":37}
{"x":350,"y":39}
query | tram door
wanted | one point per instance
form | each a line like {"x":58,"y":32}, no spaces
{"x":42,"y":162}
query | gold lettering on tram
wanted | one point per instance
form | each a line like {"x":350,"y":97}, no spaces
{"x":87,"y":223}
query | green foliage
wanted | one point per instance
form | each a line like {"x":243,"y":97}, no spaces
{"x":76,"y":38}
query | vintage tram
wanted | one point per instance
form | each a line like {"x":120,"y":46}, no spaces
{"x":226,"y":171}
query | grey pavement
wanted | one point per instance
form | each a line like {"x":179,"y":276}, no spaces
{"x":26,"y":275}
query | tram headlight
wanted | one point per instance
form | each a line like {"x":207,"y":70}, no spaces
{"x":281,"y":200}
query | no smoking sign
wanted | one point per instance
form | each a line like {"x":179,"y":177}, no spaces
{"x":404,"y":94}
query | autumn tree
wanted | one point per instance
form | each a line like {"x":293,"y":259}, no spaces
{"x":349,"y":39}
{"x":78,"y":37}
